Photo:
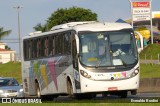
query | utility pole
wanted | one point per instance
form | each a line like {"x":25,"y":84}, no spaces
{"x":19,"y":34}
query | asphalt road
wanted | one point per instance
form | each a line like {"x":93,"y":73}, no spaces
{"x":140,"y":97}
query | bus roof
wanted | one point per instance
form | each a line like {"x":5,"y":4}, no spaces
{"x":85,"y":26}
{"x":97,"y":26}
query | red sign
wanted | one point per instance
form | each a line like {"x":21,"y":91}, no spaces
{"x":141,"y":4}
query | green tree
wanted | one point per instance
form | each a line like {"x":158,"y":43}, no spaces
{"x":40,"y":27}
{"x":4,"y":33}
{"x":64,"y":15}
{"x":7,"y":47}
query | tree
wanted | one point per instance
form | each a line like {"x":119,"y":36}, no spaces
{"x":64,"y":15}
{"x":4,"y":33}
{"x":40,"y":27}
{"x":7,"y":47}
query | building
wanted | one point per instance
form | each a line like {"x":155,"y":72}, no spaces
{"x":5,"y":54}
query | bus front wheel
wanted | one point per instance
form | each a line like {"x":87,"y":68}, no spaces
{"x":69,"y":88}
{"x":123,"y":94}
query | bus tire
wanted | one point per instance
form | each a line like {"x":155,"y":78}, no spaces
{"x":123,"y":94}
{"x":69,"y":88}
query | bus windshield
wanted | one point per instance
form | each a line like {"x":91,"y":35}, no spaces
{"x":100,"y":49}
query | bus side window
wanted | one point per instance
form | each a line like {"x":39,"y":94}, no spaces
{"x":38,"y":47}
{"x":67,"y":42}
{"x":46,"y":46}
{"x":42,"y":47}
{"x":34,"y":49}
{"x":61,"y":43}
{"x":51,"y":46}
{"x":56,"y":45}
{"x":30,"y":50}
{"x":25,"y":49}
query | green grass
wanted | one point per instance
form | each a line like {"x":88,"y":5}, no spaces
{"x":11,"y":70}
{"x":86,"y":104}
{"x":152,"y":49}
{"x":149,"y":71}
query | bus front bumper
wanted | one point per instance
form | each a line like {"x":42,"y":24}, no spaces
{"x":104,"y":86}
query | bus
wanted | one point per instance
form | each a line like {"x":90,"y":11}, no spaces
{"x":81,"y":59}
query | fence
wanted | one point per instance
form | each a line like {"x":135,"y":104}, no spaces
{"x":150,"y":59}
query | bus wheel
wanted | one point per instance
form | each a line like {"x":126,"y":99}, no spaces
{"x":123,"y":94}
{"x":69,"y":88}
{"x":38,"y":94}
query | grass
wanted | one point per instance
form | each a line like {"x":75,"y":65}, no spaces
{"x":149,"y":71}
{"x":86,"y":104}
{"x":152,"y":49}
{"x":11,"y":69}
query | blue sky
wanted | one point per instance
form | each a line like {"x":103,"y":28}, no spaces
{"x":37,"y":11}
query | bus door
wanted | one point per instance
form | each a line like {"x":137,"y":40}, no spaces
{"x":75,"y":65}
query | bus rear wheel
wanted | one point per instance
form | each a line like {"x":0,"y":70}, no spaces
{"x":38,"y":94}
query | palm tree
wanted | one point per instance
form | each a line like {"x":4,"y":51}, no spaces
{"x":4,"y":33}
{"x":40,"y":27}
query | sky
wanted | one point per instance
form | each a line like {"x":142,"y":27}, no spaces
{"x":37,"y":11}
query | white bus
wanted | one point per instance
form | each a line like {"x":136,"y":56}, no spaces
{"x":81,"y":59}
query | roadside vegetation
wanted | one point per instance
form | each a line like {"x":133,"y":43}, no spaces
{"x":11,"y":69}
{"x":149,"y":71}
{"x":86,"y":104}
{"x":151,"y":50}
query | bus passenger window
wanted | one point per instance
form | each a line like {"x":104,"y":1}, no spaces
{"x":38,"y":48}
{"x":30,"y":49}
{"x":50,"y":43}
{"x":46,"y":46}
{"x":34,"y":49}
{"x":42,"y":47}
{"x":53,"y":46}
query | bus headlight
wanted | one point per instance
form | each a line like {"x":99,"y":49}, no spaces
{"x":85,"y":74}
{"x":136,"y":71}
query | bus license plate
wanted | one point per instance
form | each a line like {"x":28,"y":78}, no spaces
{"x":112,"y":89}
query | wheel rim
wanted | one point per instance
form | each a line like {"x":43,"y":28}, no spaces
{"x":38,"y":93}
